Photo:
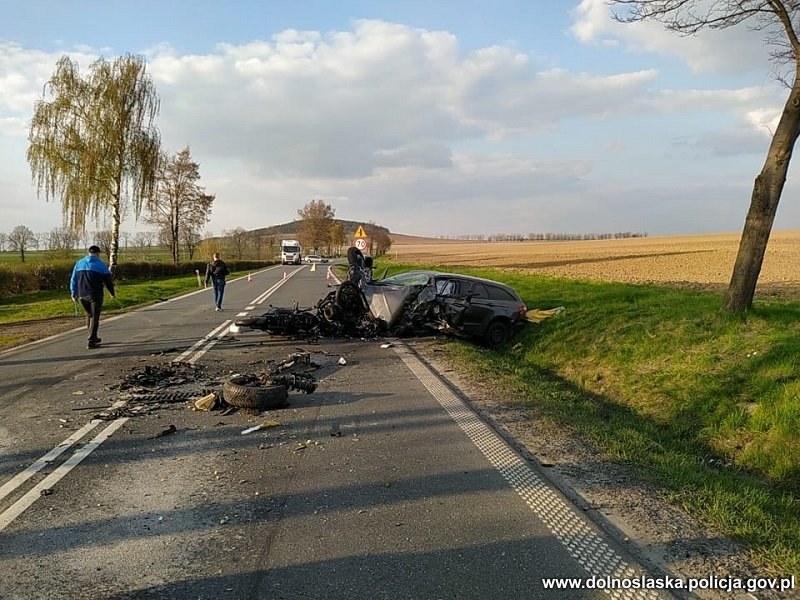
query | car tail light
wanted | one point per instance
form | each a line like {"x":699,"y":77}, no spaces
{"x":522,"y":310}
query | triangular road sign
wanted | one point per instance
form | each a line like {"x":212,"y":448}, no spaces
{"x":360,"y":233}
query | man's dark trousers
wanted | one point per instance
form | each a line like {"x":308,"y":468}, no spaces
{"x":92,"y":305}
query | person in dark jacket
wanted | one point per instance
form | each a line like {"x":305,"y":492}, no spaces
{"x":89,"y":276}
{"x":216,"y":271}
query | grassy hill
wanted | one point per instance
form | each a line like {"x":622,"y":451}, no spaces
{"x":290,"y":229}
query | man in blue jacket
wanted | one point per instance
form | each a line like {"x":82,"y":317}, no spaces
{"x":86,"y":284}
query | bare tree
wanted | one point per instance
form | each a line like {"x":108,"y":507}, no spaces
{"x":42,"y":239}
{"x":179,"y":203}
{"x":93,"y":144}
{"x":62,"y":240}
{"x":3,"y":240}
{"x":778,"y":20}
{"x":105,"y":239}
{"x":144,"y":239}
{"x":237,"y":239}
{"x":20,"y":239}
{"x":380,"y":241}
{"x":190,"y":240}
{"x":257,"y":240}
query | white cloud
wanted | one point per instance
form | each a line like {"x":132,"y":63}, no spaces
{"x":734,"y":50}
{"x":399,"y":125}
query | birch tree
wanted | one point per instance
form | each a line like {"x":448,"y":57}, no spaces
{"x":93,"y":145}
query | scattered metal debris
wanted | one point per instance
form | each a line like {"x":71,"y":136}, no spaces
{"x":168,"y":431}
{"x":260,"y":426}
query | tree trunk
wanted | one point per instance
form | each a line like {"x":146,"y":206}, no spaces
{"x":767,"y":191}
{"x":112,"y":257}
{"x":174,"y":232}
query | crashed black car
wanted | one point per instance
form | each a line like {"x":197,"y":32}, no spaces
{"x":411,"y":303}
{"x":481,"y":309}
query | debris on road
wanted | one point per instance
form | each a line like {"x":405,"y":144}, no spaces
{"x":168,"y":431}
{"x":161,"y":376}
{"x":206,"y":403}
{"x":264,"y":425}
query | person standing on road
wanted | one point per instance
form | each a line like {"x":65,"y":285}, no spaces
{"x":89,"y":276}
{"x":216,"y":271}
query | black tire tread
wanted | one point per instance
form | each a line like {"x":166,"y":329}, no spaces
{"x":260,"y":397}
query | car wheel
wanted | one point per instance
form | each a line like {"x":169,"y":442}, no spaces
{"x":497,"y":333}
{"x":257,"y":397}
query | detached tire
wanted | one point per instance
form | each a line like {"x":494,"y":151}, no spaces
{"x":497,"y":333}
{"x":258,"y":397}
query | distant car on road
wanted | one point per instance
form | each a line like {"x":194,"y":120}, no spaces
{"x":315,"y":258}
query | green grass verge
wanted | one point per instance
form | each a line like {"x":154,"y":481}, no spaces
{"x":702,"y":403}
{"x":130,"y":294}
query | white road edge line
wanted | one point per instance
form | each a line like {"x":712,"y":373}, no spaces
{"x":581,"y":541}
{"x":21,"y":505}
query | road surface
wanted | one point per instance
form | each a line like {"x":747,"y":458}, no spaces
{"x":381,"y":484}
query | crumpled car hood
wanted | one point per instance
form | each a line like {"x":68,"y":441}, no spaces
{"x":386,"y":301}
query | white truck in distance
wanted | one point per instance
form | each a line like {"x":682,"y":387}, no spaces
{"x":290,"y":252}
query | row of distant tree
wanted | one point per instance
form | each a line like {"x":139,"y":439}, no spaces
{"x":549,"y":237}
{"x":317,"y":230}
{"x":62,"y":241}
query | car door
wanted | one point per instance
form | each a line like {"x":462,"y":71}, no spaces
{"x":463,"y":304}
{"x":479,"y":310}
{"x":451,"y":300}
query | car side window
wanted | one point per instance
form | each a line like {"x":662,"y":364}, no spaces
{"x":496,"y":293}
{"x":477,"y":290}
{"x":445,"y":287}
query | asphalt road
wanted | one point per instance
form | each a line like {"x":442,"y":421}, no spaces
{"x":381,"y":484}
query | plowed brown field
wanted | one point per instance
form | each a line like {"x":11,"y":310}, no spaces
{"x":701,"y":262}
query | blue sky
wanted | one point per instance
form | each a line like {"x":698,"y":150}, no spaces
{"x":433,"y":118}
